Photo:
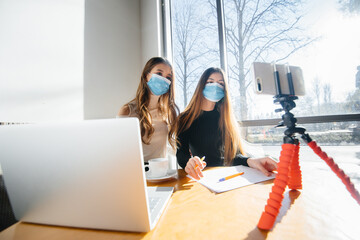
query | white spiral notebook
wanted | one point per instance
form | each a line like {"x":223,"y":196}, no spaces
{"x":211,"y":178}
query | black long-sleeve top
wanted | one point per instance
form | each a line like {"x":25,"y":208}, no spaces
{"x":203,"y":138}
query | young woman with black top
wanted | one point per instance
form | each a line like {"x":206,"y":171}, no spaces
{"x":208,"y":127}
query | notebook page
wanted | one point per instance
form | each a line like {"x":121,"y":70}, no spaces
{"x":250,"y":176}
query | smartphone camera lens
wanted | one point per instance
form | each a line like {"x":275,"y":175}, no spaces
{"x":258,"y":85}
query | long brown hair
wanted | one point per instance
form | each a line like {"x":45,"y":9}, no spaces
{"x":166,"y":103}
{"x":227,"y":123}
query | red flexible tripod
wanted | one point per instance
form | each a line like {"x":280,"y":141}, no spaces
{"x":289,"y":173}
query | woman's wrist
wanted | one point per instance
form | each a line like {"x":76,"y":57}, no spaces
{"x":249,"y":162}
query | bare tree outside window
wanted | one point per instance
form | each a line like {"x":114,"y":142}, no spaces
{"x":195,"y":45}
{"x":317,"y":91}
{"x":327,"y":93}
{"x":260,"y":30}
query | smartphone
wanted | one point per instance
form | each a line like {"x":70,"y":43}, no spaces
{"x":264,"y":79}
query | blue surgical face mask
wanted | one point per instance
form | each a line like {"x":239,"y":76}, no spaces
{"x":213,"y":92}
{"x":158,"y":84}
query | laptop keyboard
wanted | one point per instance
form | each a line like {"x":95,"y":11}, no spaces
{"x":153,"y":202}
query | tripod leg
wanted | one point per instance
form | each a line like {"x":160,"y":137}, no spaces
{"x":276,"y":196}
{"x":335,"y":168}
{"x":295,"y":172}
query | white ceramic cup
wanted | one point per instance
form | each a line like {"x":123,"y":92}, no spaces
{"x":158,"y":167}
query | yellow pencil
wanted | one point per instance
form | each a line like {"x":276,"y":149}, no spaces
{"x":231,"y":176}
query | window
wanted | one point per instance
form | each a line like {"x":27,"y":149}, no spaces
{"x":317,"y":36}
{"x":195,"y":44}
{"x":322,"y":37}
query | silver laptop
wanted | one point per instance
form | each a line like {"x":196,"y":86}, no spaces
{"x":87,"y":174}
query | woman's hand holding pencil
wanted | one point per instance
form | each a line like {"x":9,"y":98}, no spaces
{"x":194,"y":167}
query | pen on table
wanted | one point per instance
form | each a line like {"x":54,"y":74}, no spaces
{"x":202,"y":159}
{"x":231,"y":176}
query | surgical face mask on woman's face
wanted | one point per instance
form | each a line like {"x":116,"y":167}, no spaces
{"x":158,"y":84}
{"x":213,"y":92}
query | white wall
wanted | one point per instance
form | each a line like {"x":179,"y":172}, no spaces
{"x":73,"y":59}
{"x":112,"y":55}
{"x":120,"y":36}
{"x":41,"y":60}
{"x":151,"y":35}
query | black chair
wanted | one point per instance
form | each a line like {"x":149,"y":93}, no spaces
{"x":7,"y":217}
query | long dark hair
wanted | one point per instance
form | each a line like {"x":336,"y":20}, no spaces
{"x":227,"y":122}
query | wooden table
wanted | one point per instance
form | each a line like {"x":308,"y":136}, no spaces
{"x":322,"y":210}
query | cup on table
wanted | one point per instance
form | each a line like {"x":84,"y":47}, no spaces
{"x":157,"y":167}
